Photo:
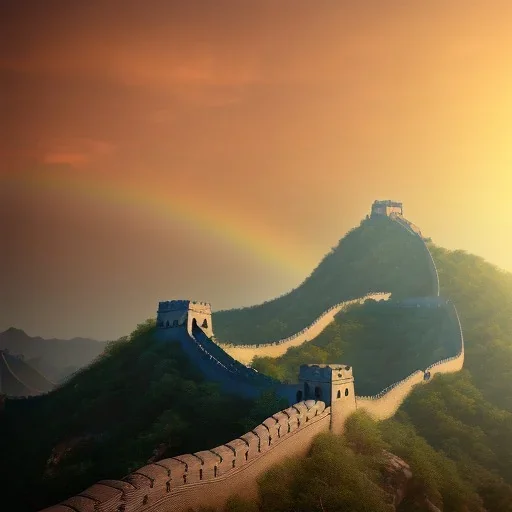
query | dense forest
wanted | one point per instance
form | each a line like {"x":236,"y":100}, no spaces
{"x":379,"y":255}
{"x":456,"y":432}
{"x":133,"y":403}
{"x":382,"y":341}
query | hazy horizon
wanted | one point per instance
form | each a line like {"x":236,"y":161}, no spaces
{"x":217,"y":150}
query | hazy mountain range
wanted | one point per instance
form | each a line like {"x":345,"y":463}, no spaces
{"x":54,"y":358}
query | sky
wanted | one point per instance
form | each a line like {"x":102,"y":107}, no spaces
{"x":216,"y":150}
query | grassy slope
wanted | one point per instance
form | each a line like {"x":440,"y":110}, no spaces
{"x":377,"y":256}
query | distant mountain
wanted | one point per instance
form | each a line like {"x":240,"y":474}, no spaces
{"x":54,"y":358}
{"x":17,"y":378}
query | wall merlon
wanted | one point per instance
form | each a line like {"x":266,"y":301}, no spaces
{"x":153,"y":471}
{"x":282,"y":423}
{"x":227,"y":456}
{"x":262,"y":433}
{"x":253,"y":444}
{"x":175,"y":470}
{"x":301,"y":409}
{"x":241,"y":451}
{"x":193,"y":473}
{"x":293,"y":423}
{"x":81,"y":504}
{"x":210,"y":464}
{"x":272,"y":426}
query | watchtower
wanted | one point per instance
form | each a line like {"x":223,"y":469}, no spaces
{"x":332,"y":384}
{"x":386,"y":208}
{"x":185,"y":313}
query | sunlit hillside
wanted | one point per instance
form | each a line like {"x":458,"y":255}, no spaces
{"x":377,"y":256}
{"x":456,"y":433}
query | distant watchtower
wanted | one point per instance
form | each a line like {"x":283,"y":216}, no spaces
{"x":386,"y":208}
{"x":332,"y":384}
{"x":185,"y":313}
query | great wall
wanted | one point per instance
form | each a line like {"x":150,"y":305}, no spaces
{"x":246,"y":353}
{"x":325,"y":397}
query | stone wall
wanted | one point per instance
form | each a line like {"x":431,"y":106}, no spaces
{"x":208,"y":477}
{"x":246,"y":353}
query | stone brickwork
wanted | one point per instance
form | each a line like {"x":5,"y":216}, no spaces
{"x":178,"y":313}
{"x":208,"y":477}
{"x":246,"y":353}
{"x":387,"y":208}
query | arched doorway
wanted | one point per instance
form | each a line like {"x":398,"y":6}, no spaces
{"x":306,"y":391}
{"x":299,"y":396}
{"x":318,"y":393}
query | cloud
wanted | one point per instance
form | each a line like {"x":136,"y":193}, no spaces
{"x":75,"y":152}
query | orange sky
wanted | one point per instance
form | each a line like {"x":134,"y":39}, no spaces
{"x":216,"y":150}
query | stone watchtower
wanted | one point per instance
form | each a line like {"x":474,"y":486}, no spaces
{"x":332,"y":384}
{"x":387,"y":208}
{"x":185,"y":313}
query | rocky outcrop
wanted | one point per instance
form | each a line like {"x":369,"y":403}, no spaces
{"x":396,"y":477}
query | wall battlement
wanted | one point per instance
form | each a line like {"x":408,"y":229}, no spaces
{"x":386,"y":207}
{"x":209,"y":477}
{"x":246,"y":353}
{"x":325,"y":398}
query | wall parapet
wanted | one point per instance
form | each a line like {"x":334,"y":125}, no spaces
{"x":385,"y":403}
{"x":159,"y":482}
{"x":372,"y":295}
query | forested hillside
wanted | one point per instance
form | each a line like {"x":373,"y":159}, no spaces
{"x":383,"y":342}
{"x":140,"y":399}
{"x":379,"y":255}
{"x":456,"y":432}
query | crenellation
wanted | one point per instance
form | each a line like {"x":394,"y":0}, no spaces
{"x":227,"y":459}
{"x":261,"y":431}
{"x":272,"y":427}
{"x":253,"y":444}
{"x":193,"y":468}
{"x":210,"y":463}
{"x":175,"y":471}
{"x":240,"y":449}
{"x":301,"y":413}
{"x":282,"y":423}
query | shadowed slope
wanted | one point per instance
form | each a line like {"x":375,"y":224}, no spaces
{"x":380,"y":255}
{"x":18,"y":378}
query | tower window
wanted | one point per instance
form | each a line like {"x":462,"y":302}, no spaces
{"x":339,"y":394}
{"x":205,"y":324}
{"x":346,"y":392}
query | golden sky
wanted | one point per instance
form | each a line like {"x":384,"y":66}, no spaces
{"x":216,"y":150}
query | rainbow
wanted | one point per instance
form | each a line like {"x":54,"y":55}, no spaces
{"x":257,"y":239}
